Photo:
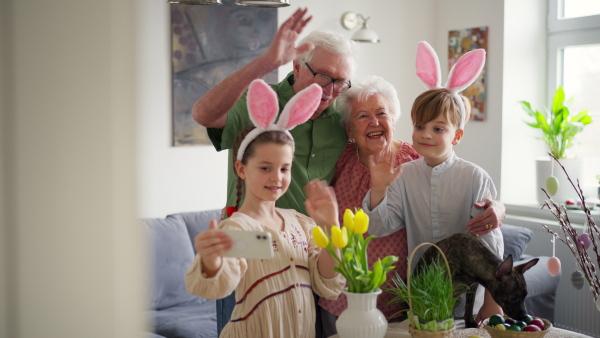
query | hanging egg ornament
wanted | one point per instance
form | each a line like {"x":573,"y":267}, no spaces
{"x":577,"y":279}
{"x":552,"y":185}
{"x":553,"y":266}
{"x":584,"y":241}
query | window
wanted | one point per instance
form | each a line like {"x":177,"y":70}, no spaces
{"x":579,"y":8}
{"x":574,"y":63}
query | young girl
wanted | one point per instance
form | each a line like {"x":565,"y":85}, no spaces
{"x":273,"y":297}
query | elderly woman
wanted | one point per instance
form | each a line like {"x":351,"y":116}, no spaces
{"x":370,"y":110}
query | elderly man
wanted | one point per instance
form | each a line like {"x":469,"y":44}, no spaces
{"x":322,"y":57}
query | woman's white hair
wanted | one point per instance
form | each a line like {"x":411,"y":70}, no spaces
{"x":332,"y":42}
{"x":364,"y":89}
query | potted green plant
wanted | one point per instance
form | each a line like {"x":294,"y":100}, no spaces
{"x":361,"y":318}
{"x":559,"y":129}
{"x":431,"y":296}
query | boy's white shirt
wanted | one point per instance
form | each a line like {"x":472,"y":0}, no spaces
{"x":433,"y":203}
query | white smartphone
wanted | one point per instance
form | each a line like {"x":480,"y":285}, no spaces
{"x":250,"y":244}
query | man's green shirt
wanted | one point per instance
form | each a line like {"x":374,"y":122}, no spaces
{"x":319,"y":144}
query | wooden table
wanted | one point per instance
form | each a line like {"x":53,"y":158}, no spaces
{"x":400,"y":330}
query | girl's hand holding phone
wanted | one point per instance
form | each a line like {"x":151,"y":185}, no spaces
{"x":211,"y":245}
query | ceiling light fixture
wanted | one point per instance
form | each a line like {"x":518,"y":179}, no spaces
{"x":263,"y":3}
{"x":195,"y":2}
{"x":350,"y":20}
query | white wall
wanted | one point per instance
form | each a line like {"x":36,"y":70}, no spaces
{"x":524,"y":77}
{"x":71,"y":262}
{"x":482,"y":141}
{"x":170,"y":179}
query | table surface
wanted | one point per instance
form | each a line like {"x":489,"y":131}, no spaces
{"x":400,"y":330}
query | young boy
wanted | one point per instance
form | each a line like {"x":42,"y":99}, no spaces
{"x":432,"y":197}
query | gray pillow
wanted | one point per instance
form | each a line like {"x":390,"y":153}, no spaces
{"x":515,"y":240}
{"x":171,"y":256}
{"x":197,"y":221}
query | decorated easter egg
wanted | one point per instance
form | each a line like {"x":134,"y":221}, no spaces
{"x":551,"y":185}
{"x":531,"y":328}
{"x":539,"y":323}
{"x":577,"y":279}
{"x":584,"y":240}
{"x":553,"y":266}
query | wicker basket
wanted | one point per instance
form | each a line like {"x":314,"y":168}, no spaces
{"x":497,"y":333}
{"x":420,"y":333}
{"x":431,"y":334}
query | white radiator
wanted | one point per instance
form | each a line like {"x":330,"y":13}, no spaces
{"x":575,"y":309}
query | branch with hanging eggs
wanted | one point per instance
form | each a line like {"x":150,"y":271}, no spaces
{"x":577,"y":243}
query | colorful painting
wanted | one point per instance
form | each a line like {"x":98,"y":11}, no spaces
{"x":460,"y":42}
{"x":210,"y":43}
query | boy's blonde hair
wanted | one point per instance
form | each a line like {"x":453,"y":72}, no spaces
{"x":430,"y":104}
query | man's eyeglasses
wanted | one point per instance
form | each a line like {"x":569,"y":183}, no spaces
{"x":323,"y":80}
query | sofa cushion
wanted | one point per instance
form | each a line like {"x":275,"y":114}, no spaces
{"x":197,"y":222}
{"x":515,"y":240}
{"x":186,"y":320}
{"x":172,"y":254}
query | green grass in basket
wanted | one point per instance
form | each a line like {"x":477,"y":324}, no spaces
{"x":431,"y":293}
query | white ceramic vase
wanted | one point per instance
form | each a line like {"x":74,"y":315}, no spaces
{"x":361,"y":318}
{"x":565,"y":189}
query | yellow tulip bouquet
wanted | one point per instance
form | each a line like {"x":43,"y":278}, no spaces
{"x":352,"y":262}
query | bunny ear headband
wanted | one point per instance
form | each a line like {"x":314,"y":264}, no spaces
{"x":464,"y":72}
{"x":263,"y":107}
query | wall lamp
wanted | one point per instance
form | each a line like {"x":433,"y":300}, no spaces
{"x":249,"y":3}
{"x":350,"y":20}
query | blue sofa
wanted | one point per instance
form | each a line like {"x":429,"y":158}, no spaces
{"x":173,"y":312}
{"x":177,"y":314}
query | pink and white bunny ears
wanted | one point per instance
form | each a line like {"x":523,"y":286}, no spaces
{"x":464,"y":72}
{"x":263,"y":107}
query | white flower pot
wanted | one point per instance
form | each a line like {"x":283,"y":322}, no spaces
{"x":362,"y":318}
{"x":565,"y":189}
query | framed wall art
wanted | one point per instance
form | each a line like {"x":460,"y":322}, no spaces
{"x":459,"y":42}
{"x":209,"y":43}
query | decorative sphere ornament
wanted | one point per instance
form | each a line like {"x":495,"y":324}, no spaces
{"x":551,"y":185}
{"x":553,"y":266}
{"x":584,"y":240}
{"x":577,"y":279}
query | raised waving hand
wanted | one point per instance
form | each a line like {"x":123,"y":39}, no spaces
{"x":283,"y":47}
{"x":383,"y":173}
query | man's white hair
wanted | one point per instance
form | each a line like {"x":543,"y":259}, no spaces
{"x":364,"y":89}
{"x":332,"y":42}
